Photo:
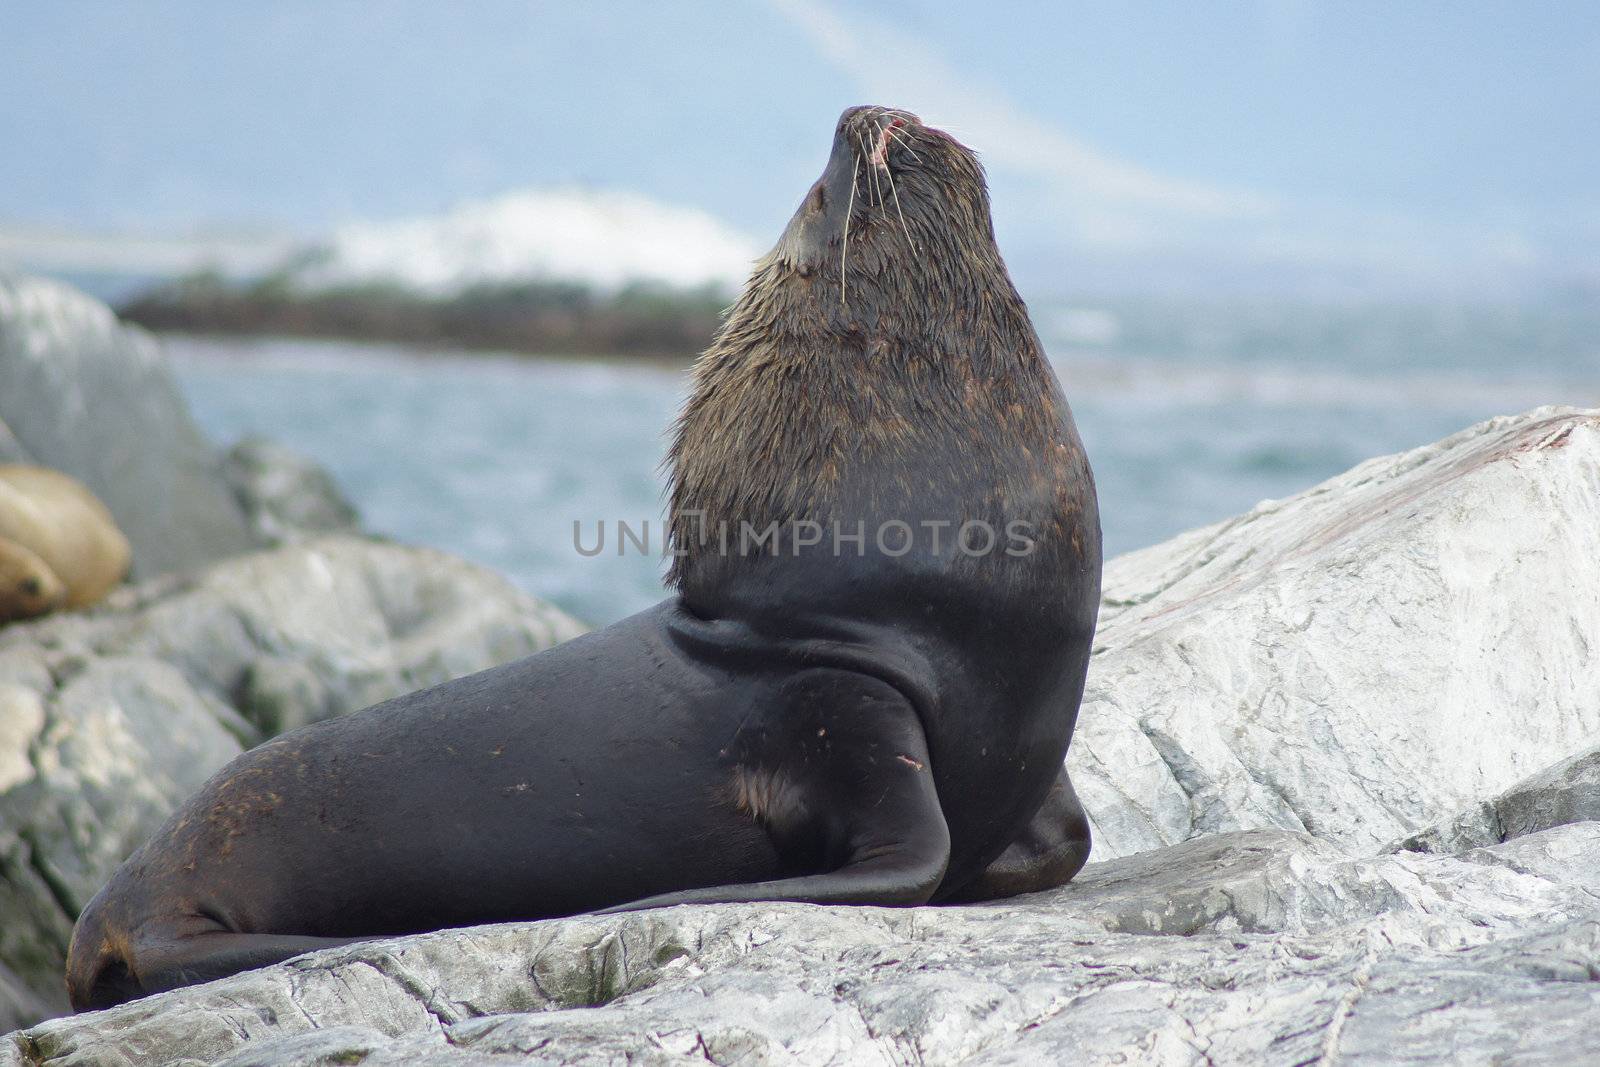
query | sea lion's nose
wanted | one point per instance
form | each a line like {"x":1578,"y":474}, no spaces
{"x":852,"y":116}
{"x":870,"y":118}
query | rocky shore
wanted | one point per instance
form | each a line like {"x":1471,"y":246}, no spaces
{"x":258,"y":606}
{"x":1342,"y":756}
{"x":640,"y":321}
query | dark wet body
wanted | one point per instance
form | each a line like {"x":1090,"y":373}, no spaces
{"x":848,"y":725}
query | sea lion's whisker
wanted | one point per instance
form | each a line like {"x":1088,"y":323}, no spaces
{"x":889,"y":172}
{"x":850,"y":209}
{"x":878,"y":158}
{"x":877,"y":190}
{"x":905,"y":143}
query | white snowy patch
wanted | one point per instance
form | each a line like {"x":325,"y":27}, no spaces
{"x":604,"y":238}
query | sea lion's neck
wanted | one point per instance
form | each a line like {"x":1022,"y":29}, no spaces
{"x":801,"y":401}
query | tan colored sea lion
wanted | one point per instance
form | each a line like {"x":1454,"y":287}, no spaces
{"x":59,"y":546}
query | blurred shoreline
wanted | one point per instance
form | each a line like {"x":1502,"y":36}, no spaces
{"x":494,"y":455}
{"x":641,"y":320}
{"x":658,"y":322}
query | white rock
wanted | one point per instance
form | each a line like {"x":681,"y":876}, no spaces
{"x":1448,"y":961}
{"x":21,"y":721}
{"x":1359,"y":660}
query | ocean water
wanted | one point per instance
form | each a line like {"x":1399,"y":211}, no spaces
{"x":1189,"y":414}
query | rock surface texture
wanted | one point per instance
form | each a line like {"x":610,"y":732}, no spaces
{"x":1569,"y":792}
{"x":1264,"y":947}
{"x":1359,"y":660}
{"x":1340,"y":754}
{"x":11,"y":450}
{"x":285,"y":496}
{"x":84,"y":394}
{"x":109,"y":719}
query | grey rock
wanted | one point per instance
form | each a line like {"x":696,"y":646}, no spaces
{"x":11,"y":450}
{"x":121,"y":742}
{"x":84,"y":394}
{"x":1357,"y":661}
{"x":1566,"y":854}
{"x":1272,"y":699}
{"x":285,"y":496}
{"x":367,"y":620}
{"x":1565,"y":793}
{"x":1282,"y":950}
{"x":1274,"y":881}
{"x":19,"y":1006}
{"x":333,"y":1046}
{"x":109,"y":719}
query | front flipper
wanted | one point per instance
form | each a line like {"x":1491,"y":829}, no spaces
{"x":1051,"y":849}
{"x":837,"y":772}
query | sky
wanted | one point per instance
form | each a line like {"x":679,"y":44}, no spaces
{"x":1330,"y":148}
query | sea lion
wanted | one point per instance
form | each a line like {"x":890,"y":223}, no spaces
{"x":59,"y":546}
{"x":870,"y":704}
{"x":28,"y":587}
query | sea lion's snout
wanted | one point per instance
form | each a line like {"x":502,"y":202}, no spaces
{"x":867,"y":135}
{"x":870,"y":133}
{"x":869,"y":120}
{"x":855,"y":183}
{"x":28,"y":587}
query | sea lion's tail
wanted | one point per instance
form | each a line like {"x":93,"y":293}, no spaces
{"x":99,"y":972}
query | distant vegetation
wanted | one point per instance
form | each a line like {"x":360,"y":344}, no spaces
{"x":643,"y":320}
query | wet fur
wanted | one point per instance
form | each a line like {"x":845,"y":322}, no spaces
{"x":856,"y":729}
{"x":935,"y":337}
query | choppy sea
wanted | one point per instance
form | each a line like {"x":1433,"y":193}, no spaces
{"x":1190,"y":414}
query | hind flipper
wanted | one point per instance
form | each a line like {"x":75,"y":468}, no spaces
{"x":1051,"y":849}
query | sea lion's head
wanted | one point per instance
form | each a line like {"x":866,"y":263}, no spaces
{"x":28,"y":586}
{"x":901,"y":209}
{"x":879,"y":357}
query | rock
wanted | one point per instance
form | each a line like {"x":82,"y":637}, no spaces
{"x":1272,"y":700}
{"x":1568,"y":792}
{"x":11,"y":450}
{"x":86,"y":395}
{"x":1357,"y":661}
{"x":285,"y":496}
{"x":18,"y":1005}
{"x":109,"y":719}
{"x":1274,"y":881}
{"x":1253,"y":948}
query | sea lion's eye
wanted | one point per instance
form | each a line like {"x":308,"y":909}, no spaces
{"x":31,"y":587}
{"x":819,"y":198}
